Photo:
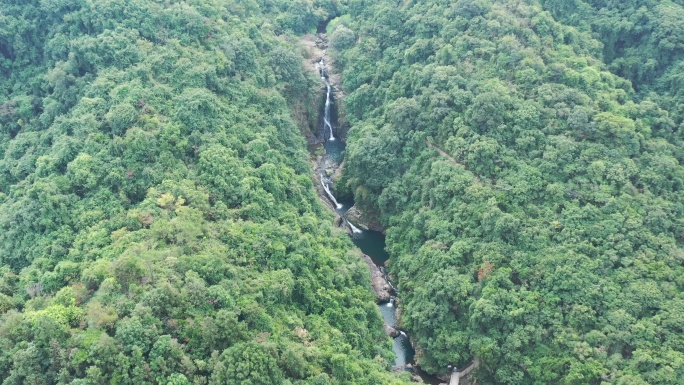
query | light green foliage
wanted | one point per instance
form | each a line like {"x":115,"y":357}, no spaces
{"x":158,"y":223}
{"x":247,"y":363}
{"x":342,"y":38}
{"x":532,"y":194}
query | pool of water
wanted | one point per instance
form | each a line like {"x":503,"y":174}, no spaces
{"x":402,"y":346}
{"x":334,"y":151}
{"x":372,"y":243}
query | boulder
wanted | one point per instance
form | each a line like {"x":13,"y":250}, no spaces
{"x":321,"y":41}
{"x":380,"y":286}
{"x":358,"y":218}
{"x":397,"y":315}
{"x":391,"y":331}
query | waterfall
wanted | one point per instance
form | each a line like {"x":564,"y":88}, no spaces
{"x":326,"y":116}
{"x":328,"y":102}
{"x":387,"y":278}
{"x":353,"y":228}
{"x":391,"y":302}
{"x":330,"y":195}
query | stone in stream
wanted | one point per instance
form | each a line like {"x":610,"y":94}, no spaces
{"x":397,"y":315}
{"x":391,"y":331}
{"x":379,"y":284}
{"x":357,"y":217}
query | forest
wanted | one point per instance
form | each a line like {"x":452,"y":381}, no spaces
{"x":526,"y":159}
{"x":158,"y":222}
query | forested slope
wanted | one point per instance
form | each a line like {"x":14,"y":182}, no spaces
{"x":157,"y":218}
{"x":530,"y":181}
{"x":643,"y":41}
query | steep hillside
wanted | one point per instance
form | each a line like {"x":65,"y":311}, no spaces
{"x":643,"y":41}
{"x":157,"y":218}
{"x":532,"y":198}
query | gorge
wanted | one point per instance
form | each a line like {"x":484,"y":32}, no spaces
{"x":509,"y":175}
{"x":370,"y":243}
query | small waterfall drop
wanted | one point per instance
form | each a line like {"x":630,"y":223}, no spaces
{"x":329,"y":193}
{"x":326,"y":117}
{"x":391,"y":302}
{"x":328,"y":100}
{"x":387,"y":278}
{"x":353,"y":228}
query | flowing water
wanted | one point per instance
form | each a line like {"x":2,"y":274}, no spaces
{"x":371,"y":243}
{"x":327,"y":112}
{"x":326,"y":187}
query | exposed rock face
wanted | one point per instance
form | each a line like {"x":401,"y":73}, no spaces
{"x":337,"y":173}
{"x":381,"y":288}
{"x":391,"y":331}
{"x":358,"y":218}
{"x":397,"y":315}
{"x":321,"y":41}
{"x":338,"y":221}
{"x":317,"y":48}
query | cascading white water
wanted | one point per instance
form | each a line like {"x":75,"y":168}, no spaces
{"x":326,"y":116}
{"x":391,"y":302}
{"x":353,"y":228}
{"x":326,"y":112}
{"x":330,"y":195}
{"x":387,"y":278}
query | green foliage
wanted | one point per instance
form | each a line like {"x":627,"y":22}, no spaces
{"x":247,"y":363}
{"x":642,"y":42}
{"x":158,"y":223}
{"x":525,"y":158}
{"x":342,"y":38}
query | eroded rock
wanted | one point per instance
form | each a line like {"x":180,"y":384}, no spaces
{"x":380,"y":286}
{"x":391,"y":331}
{"x":358,"y":218}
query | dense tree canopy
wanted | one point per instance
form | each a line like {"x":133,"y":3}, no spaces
{"x":157,"y":218}
{"x":526,"y":158}
{"x":158,"y":222}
